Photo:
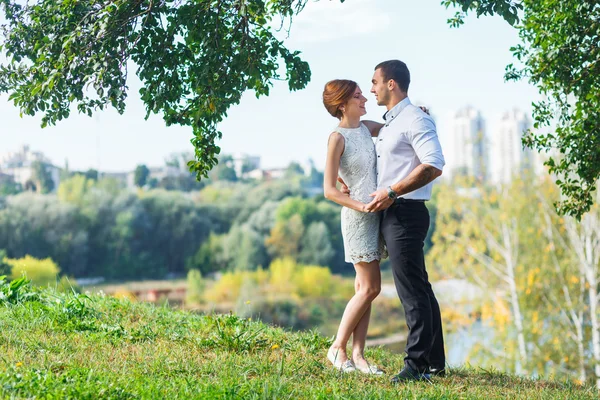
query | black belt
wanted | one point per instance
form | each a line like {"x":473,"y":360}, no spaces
{"x":402,"y":200}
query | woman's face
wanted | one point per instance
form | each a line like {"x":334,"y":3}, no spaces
{"x":355,"y":107}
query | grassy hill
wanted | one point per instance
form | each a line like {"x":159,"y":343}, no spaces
{"x":55,"y":345}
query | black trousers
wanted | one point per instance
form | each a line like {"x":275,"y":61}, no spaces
{"x":404,"y":227}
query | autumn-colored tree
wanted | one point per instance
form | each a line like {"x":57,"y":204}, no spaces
{"x":538,"y":269}
{"x":284,"y":240}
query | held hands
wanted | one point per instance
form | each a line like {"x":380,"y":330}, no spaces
{"x":380,"y":201}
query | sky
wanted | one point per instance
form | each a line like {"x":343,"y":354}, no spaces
{"x":450,"y":68}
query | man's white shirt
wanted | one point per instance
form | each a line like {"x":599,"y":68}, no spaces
{"x":407,"y":139}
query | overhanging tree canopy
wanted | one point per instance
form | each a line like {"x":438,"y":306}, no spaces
{"x":194,"y":58}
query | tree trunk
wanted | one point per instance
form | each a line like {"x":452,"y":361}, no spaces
{"x":574,"y":312}
{"x":581,"y":349}
{"x":585,"y":239}
{"x":593,"y":296}
{"x":510,"y":260}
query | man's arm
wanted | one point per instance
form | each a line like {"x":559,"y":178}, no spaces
{"x":373,"y":127}
{"x":418,"y":178}
{"x":425,"y":141}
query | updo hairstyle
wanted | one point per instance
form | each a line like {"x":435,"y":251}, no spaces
{"x":337,"y":93}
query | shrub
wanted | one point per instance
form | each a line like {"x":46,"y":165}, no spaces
{"x":261,"y":276}
{"x":313,"y":281}
{"x":282,"y":275}
{"x":226,"y":289}
{"x":195,"y":287}
{"x":40,"y":272}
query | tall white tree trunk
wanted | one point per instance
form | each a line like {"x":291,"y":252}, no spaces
{"x":510,"y":257}
{"x":593,"y":295}
{"x":592,"y":253}
{"x":585,"y":240}
{"x":581,"y":352}
{"x":508,"y":247}
{"x":573,"y":311}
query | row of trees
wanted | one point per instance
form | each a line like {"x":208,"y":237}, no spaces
{"x":97,"y":228}
{"x":540,"y":272}
{"x":90,"y":231}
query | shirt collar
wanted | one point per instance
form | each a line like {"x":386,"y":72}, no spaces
{"x":397,"y":109}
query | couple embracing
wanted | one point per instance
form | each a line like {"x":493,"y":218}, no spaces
{"x":384,"y":188}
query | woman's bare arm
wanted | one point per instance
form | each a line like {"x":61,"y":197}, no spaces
{"x":373,"y":126}
{"x":335,"y":149}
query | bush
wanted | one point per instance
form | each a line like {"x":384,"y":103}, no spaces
{"x":226,"y":289}
{"x":195,"y":287}
{"x":40,"y":272}
{"x":313,"y":281}
{"x":261,"y":276}
{"x":282,"y":275}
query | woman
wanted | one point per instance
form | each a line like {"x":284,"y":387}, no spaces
{"x":351,"y":156}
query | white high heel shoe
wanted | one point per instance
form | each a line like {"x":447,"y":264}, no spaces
{"x":346,"y":366}
{"x":370,"y":369}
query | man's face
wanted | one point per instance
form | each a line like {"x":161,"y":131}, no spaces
{"x":380,"y":88}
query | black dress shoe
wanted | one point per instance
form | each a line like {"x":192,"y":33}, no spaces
{"x":410,"y":374}
{"x":437,"y":371}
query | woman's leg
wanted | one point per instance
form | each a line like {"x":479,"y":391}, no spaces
{"x":368,"y":285}
{"x":359,"y":336}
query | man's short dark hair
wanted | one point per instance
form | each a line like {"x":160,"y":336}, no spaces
{"x":396,"y":70}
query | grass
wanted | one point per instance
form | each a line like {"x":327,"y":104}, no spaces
{"x":97,"y":347}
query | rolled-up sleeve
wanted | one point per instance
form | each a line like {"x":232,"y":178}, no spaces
{"x":425,"y":141}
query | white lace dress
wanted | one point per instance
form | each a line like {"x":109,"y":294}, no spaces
{"x":363,"y":241}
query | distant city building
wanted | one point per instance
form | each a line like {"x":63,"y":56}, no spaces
{"x":243,"y":164}
{"x":19,"y":165}
{"x":508,"y":157}
{"x":466,"y":152}
{"x":257,"y":174}
{"x":265,"y":174}
{"x":274,"y":173}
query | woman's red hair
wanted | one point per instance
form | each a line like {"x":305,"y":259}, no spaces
{"x":337,"y":93}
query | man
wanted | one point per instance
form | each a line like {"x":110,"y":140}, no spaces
{"x":409,"y":158}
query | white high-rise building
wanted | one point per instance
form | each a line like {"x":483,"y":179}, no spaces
{"x":508,"y":157}
{"x":466,"y":150}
